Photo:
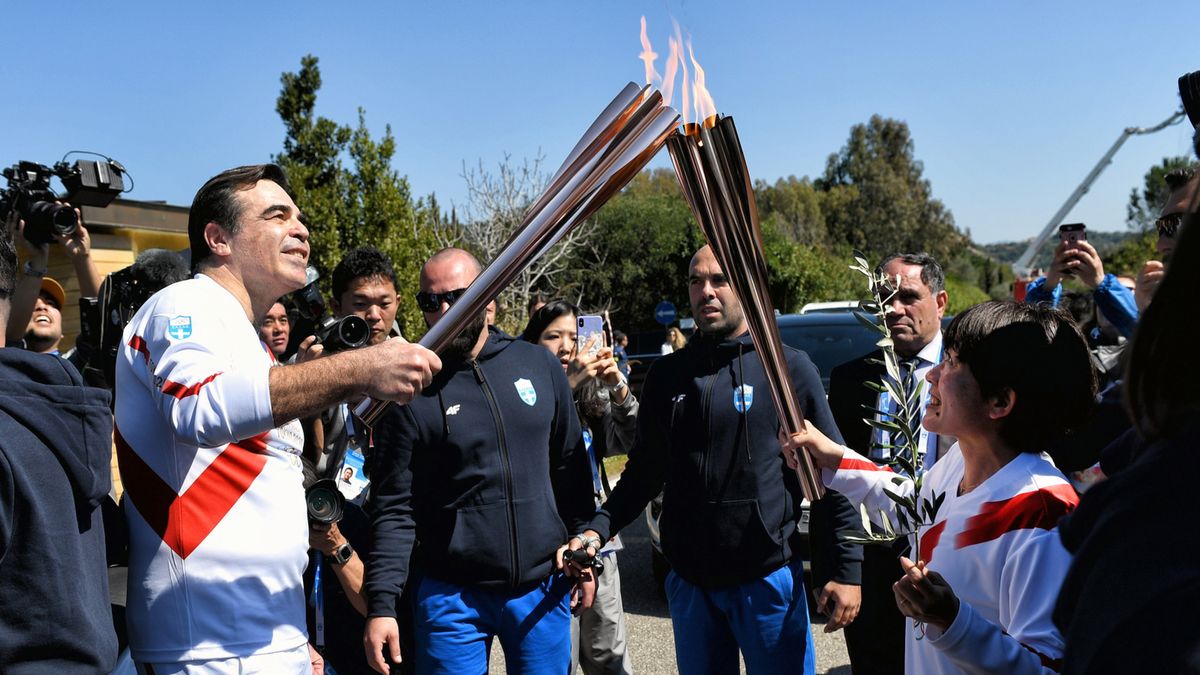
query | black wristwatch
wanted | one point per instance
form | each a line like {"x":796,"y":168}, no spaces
{"x":341,"y":555}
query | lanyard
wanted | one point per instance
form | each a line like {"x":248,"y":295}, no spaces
{"x":317,"y":600}
{"x":597,"y":485}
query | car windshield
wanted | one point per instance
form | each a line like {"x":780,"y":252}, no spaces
{"x":830,"y":346}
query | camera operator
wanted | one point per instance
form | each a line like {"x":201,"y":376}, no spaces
{"x":38,"y":301}
{"x":275,"y":329}
{"x":55,"y":615}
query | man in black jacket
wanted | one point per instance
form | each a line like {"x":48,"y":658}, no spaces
{"x":875,"y":641}
{"x":485,"y":471}
{"x":707,"y":438}
{"x":55,"y":436}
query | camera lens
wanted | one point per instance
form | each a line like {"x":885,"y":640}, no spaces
{"x":325,"y":502}
{"x":354,"y":331}
{"x":45,"y":220}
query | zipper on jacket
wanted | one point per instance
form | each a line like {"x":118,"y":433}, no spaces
{"x":514,"y":555}
{"x":706,"y":408}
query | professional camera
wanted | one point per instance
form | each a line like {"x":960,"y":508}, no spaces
{"x":348,"y":332}
{"x":88,"y":183}
{"x":325,"y":502}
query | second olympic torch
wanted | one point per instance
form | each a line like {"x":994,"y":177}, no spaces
{"x":716,"y":183}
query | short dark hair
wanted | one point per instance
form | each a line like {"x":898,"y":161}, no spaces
{"x":216,"y":202}
{"x":546,"y":316}
{"x":932,"y":274}
{"x":1178,"y":178}
{"x":1038,"y":353}
{"x":1162,"y":369}
{"x":364,"y":262}
{"x":8,"y":266}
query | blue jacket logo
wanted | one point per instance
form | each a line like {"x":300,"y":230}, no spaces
{"x":743,"y":398}
{"x":180,"y":327}
{"x":526,"y":391}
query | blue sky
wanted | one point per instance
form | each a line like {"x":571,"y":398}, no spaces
{"x":1009,"y":103}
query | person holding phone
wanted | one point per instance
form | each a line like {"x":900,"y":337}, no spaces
{"x":608,"y":412}
{"x":1074,"y":257}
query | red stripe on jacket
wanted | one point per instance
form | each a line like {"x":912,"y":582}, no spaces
{"x":184,"y":521}
{"x":1037,"y":509}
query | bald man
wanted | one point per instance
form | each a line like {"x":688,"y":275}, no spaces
{"x":488,"y":471}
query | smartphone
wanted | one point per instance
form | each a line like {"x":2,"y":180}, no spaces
{"x":1072,"y":233}
{"x":590,"y":325}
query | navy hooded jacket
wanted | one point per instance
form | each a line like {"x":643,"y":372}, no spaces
{"x":708,"y":439}
{"x":55,"y":449}
{"x":486,"y":469}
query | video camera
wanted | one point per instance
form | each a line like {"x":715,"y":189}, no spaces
{"x":88,"y":183}
{"x":348,"y":332}
{"x":103,"y":319}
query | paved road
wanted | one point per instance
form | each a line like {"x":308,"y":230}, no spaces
{"x":651,"y":646}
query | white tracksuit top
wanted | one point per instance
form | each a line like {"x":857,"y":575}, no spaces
{"x":996,"y":546}
{"x":217,"y":523}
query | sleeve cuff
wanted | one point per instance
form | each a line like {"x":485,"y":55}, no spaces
{"x":601,"y":524}
{"x":381,"y":604}
{"x":954,"y":634}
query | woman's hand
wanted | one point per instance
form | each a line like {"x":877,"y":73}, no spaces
{"x":586,"y":366}
{"x":925,"y":596}
{"x":825,"y":453}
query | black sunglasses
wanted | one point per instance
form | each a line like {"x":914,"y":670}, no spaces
{"x":432,"y":302}
{"x":1168,"y":226}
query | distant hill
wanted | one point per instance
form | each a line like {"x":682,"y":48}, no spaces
{"x":1007,"y":252}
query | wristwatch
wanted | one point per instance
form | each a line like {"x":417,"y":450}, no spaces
{"x":342,"y":554}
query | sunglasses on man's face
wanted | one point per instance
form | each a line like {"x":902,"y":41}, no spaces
{"x":432,"y":302}
{"x":1168,"y":226}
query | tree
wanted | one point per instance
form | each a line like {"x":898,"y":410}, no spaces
{"x":1144,"y":206}
{"x":876,"y":199}
{"x":367,"y":204}
{"x":793,"y":208}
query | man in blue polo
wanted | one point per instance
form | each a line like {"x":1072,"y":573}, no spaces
{"x":486,"y":471}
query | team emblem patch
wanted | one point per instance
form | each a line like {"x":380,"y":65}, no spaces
{"x":526,"y":391}
{"x":180,"y":327}
{"x":743,"y":398}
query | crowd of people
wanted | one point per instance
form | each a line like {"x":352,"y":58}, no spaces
{"x":268,"y":529}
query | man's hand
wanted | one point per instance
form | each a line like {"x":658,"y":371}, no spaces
{"x":309,"y":349}
{"x":1148,"y":279}
{"x":79,"y":243}
{"x":584,"y":593}
{"x":839,"y":602}
{"x":925,"y":596}
{"x":382,"y":632}
{"x":1083,"y":262}
{"x":318,"y":663}
{"x":1058,"y":265}
{"x":325,"y":538}
{"x":38,"y":254}
{"x":398,"y":370}
{"x":824,"y":452}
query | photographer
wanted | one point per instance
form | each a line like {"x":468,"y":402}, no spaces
{"x":35,"y":292}
{"x":1079,"y":259}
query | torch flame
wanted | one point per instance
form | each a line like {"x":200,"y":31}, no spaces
{"x":697,"y":107}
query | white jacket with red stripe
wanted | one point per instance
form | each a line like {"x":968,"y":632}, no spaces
{"x":997,"y":548}
{"x":215,"y":499}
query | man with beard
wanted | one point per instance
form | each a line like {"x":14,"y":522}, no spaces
{"x":707,"y":438}
{"x":875,"y":641}
{"x":486,"y":469}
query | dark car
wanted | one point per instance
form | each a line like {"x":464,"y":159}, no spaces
{"x":829,"y":339}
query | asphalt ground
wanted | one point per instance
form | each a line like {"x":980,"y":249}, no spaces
{"x":651,"y":646}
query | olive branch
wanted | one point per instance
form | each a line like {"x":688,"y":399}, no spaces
{"x":903,"y":425}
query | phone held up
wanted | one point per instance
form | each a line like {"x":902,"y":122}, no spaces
{"x":1072,"y":233}
{"x":590,"y":325}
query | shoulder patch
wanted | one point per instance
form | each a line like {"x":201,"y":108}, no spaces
{"x":180,"y":327}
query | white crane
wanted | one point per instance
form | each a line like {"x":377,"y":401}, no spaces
{"x":1023,"y":264}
